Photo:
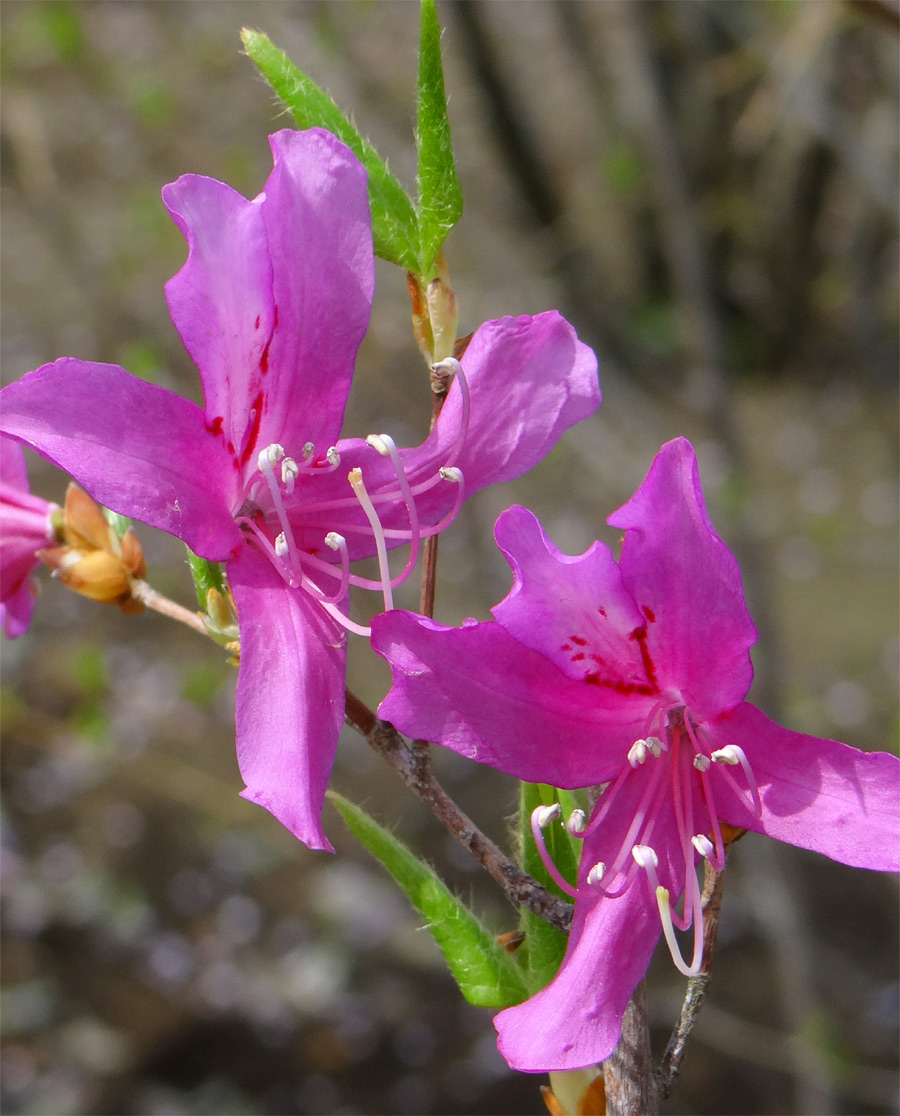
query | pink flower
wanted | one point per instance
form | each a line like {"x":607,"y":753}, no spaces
{"x":272,"y":304}
{"x":631,"y":674}
{"x":25,"y":527}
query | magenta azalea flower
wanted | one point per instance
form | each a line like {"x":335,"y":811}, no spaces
{"x":25,"y":527}
{"x":631,"y":674}
{"x":272,"y":304}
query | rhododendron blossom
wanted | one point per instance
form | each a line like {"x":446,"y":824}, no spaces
{"x":272,"y":304}
{"x":26,"y":526}
{"x":631,"y":675}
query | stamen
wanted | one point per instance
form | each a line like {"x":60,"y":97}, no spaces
{"x":290,"y":470}
{"x":337,"y":542}
{"x":647,"y":859}
{"x":577,"y":822}
{"x":704,"y":846}
{"x":267,"y":458}
{"x":637,"y":753}
{"x":333,"y":457}
{"x":281,"y":546}
{"x":544,"y":815}
{"x":665,"y":915}
{"x":356,"y":481}
{"x":596,"y":874}
{"x":454,"y":368}
{"x":656,"y":746}
{"x":732,"y":755}
{"x":702,"y":763}
{"x":384,"y":444}
{"x":540,"y":817}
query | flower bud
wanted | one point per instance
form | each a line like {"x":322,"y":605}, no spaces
{"x":93,"y":560}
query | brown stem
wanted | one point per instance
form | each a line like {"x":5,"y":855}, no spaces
{"x":631,"y":1089}
{"x":697,"y":986}
{"x":410,"y":761}
{"x":149,"y":597}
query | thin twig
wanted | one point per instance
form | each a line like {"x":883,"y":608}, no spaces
{"x":631,"y":1088}
{"x":411,"y":764}
{"x":149,"y":597}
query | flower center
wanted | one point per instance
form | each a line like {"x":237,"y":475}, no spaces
{"x":278,"y":518}
{"x":679,"y":770}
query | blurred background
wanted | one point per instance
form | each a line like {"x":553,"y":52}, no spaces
{"x":709,"y":192}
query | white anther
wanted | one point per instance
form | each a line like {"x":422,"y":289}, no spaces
{"x":334,"y":541}
{"x":381,"y":443}
{"x":577,"y":822}
{"x":333,"y":457}
{"x":637,"y":753}
{"x":269,"y":456}
{"x":290,"y":470}
{"x":645,"y":857}
{"x":448,"y":364}
{"x":728,"y":754}
{"x":596,"y":874}
{"x":281,"y":545}
{"x":702,"y":763}
{"x":656,"y":746}
{"x":452,"y":474}
{"x":544,"y":815}
{"x":703,"y":845}
{"x":308,"y":450}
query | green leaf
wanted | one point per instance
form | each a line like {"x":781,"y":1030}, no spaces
{"x":544,"y":945}
{"x":487,"y":975}
{"x":394,"y":223}
{"x":206,"y":575}
{"x":440,"y":196}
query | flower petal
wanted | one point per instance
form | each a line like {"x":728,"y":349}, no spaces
{"x":319,"y":230}
{"x":530,"y":379}
{"x":275,"y":295}
{"x":816,"y":793}
{"x":290,"y":696}
{"x":688,"y":584}
{"x":573,"y":610}
{"x":479,"y":692}
{"x":16,"y":609}
{"x":221,"y":302}
{"x":577,"y":1019}
{"x":133,"y":446}
{"x":13,"y":471}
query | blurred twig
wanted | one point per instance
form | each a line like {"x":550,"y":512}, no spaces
{"x":411,"y":764}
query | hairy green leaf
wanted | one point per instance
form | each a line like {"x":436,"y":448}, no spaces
{"x":486,"y":974}
{"x":440,"y":196}
{"x":394,"y":223}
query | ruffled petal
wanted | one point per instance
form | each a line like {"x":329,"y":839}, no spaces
{"x":222,"y":304}
{"x":573,"y":610}
{"x":479,"y":692}
{"x":290,"y":696}
{"x":133,"y":446}
{"x":688,"y":585}
{"x":530,"y":379}
{"x":316,"y":211}
{"x":816,"y":793}
{"x":577,"y":1019}
{"x":275,"y":296}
